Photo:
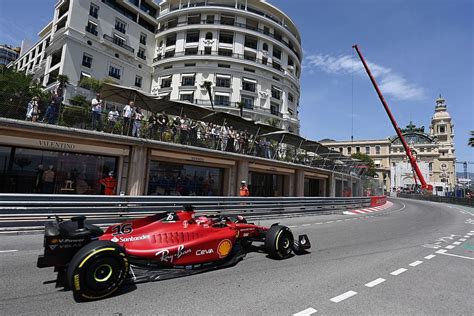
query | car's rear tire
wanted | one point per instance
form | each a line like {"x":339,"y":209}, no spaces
{"x":278,"y":242}
{"x":97,"y":270}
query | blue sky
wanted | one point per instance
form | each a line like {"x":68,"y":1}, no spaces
{"x":417,"y":49}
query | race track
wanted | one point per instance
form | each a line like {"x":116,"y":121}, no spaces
{"x":412,"y":258}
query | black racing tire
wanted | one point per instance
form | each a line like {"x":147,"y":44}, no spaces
{"x":97,"y":270}
{"x":278,"y":242}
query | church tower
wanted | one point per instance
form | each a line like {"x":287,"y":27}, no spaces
{"x":442,"y":129}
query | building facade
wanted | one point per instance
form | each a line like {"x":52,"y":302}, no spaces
{"x":8,"y":54}
{"x":434,"y":150}
{"x":249,"y":51}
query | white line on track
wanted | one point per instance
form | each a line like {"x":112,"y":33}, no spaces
{"x":415,"y":263}
{"x":329,"y":222}
{"x":470,"y":234}
{"x":306,"y":225}
{"x":343,"y":296}
{"x":457,"y":243}
{"x":452,"y":255}
{"x":399,"y":271}
{"x":5,"y":251}
{"x":462,"y":239}
{"x":318,"y":223}
{"x":450,"y":247}
{"x":442,"y":251}
{"x":293,"y":226}
{"x":430,"y":257}
{"x":306,"y":312}
{"x":375,"y":282}
{"x":466,"y":236}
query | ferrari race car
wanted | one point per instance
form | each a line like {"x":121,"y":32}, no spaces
{"x":94,"y":264}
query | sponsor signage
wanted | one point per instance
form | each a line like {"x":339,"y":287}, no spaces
{"x":129,"y":239}
{"x":203,"y":252}
{"x":224,"y":248}
{"x":165,"y":256}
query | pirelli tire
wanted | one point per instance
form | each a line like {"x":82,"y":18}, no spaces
{"x":97,"y":270}
{"x":278,"y":242}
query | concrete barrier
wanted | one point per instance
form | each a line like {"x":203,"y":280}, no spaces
{"x":377,"y":200}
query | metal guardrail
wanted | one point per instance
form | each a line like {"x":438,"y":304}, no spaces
{"x":26,"y":212}
{"x":443,"y":199}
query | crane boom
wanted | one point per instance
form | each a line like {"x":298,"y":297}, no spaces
{"x":408,"y":152}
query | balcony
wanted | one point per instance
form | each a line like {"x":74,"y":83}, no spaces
{"x":240,"y":25}
{"x":118,"y":43}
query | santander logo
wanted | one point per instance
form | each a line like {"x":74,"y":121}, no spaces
{"x":129,"y":239}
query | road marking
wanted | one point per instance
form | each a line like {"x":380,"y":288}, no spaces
{"x":318,"y":223}
{"x":306,"y":225}
{"x":293,"y":226}
{"x":339,"y":220}
{"x":330,"y":222}
{"x":414,"y":264}
{"x":306,"y":312}
{"x":450,"y":247}
{"x":375,"y":282}
{"x":457,"y":243}
{"x":449,"y":254}
{"x":470,"y":234}
{"x":466,"y":236}
{"x":343,"y":296}
{"x":399,"y":271}
{"x":462,"y":239}
{"x":5,"y":251}
{"x":430,"y":257}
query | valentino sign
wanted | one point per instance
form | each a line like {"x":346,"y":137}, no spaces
{"x":55,"y":145}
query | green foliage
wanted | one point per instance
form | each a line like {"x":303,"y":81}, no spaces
{"x":75,"y":116}
{"x":79,"y":100}
{"x":274,"y":122}
{"x":208,"y":86}
{"x":90,"y":84}
{"x":368,"y":161}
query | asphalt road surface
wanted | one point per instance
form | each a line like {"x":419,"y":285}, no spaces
{"x":414,"y":258}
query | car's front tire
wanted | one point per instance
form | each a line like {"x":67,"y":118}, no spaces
{"x":278,"y":242}
{"x":97,"y":270}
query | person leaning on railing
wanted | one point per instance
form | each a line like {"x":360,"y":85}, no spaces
{"x":32,"y":110}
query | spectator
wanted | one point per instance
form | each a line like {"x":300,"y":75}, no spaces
{"x":193,"y":132}
{"x":176,"y":128}
{"x":224,"y":133}
{"x":127,"y":118}
{"x":97,"y":105}
{"x":152,"y":125}
{"x":137,"y":123}
{"x":109,"y":183}
{"x":244,"y":191}
{"x":112,"y":119}
{"x":32,"y":110}
{"x":52,"y":111}
{"x":163,"y":122}
{"x":184,"y":129}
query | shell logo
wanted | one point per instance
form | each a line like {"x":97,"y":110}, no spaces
{"x":224,"y":248}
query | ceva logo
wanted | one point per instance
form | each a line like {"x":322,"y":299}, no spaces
{"x":203,"y":252}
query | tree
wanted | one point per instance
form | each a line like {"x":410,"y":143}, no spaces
{"x":208,"y":86}
{"x":368,"y":162}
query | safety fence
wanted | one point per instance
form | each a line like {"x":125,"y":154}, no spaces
{"x":28,"y":212}
{"x":444,"y":199}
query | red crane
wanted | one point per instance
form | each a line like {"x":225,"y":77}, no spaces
{"x":411,"y":158}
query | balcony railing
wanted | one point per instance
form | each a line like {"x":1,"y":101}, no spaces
{"x":240,"y":25}
{"x":118,"y":43}
{"x":218,"y":53}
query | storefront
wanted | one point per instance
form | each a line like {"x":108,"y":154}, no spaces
{"x":315,"y":184}
{"x":55,"y":167}
{"x":172,"y":173}
{"x":266,"y":180}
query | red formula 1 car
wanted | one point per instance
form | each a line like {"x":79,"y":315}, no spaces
{"x":94,"y":264}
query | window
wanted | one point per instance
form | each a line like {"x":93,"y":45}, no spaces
{"x":249,"y":70}
{"x":187,"y":96}
{"x":207,"y":50}
{"x":86,"y":60}
{"x":120,"y":26}
{"x":227,"y":19}
{"x":290,"y":62}
{"x":188,"y":79}
{"x":276,"y":65}
{"x":349,"y":150}
{"x":290,"y":97}
{"x":191,"y":51}
{"x":367,"y":150}
{"x":442,"y":129}
{"x":223,"y":81}
{"x":141,"y":53}
{"x":274,"y":108}
{"x":266,"y":30}
{"x":276,"y":93}
{"x":224,"y":52}
{"x":94,"y":11}
{"x":138,"y":81}
{"x":171,"y":40}
{"x":210,"y":19}
{"x":190,"y":65}
{"x":357,"y":149}
{"x":91,"y":28}
{"x":143,"y":39}
{"x":264,"y":60}
{"x":222,"y":99}
{"x":194,"y":19}
{"x":192,"y":37}
{"x":265,"y":47}
{"x":250,"y":56}
{"x":248,"y":101}
{"x":208,"y":35}
{"x":169,"y":54}
{"x":250,"y":42}
{"x":277,"y":35}
{"x":276,"y":52}
{"x":341,"y":149}
{"x":165,"y":82}
{"x":430,"y":166}
{"x":118,"y":40}
{"x":249,"y":84}
{"x":223,"y":66}
{"x":114,"y":71}
{"x":226,"y":38}
{"x":251,"y":24}
{"x":377,"y":150}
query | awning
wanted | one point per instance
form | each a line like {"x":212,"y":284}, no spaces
{"x":249,"y":80}
{"x":223,"y":94}
{"x":378,"y":162}
{"x":223,"y":76}
{"x":188,"y":75}
{"x":85,"y":74}
{"x":186,"y":92}
{"x":164,"y":94}
{"x":165,"y":77}
{"x":276,"y":88}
